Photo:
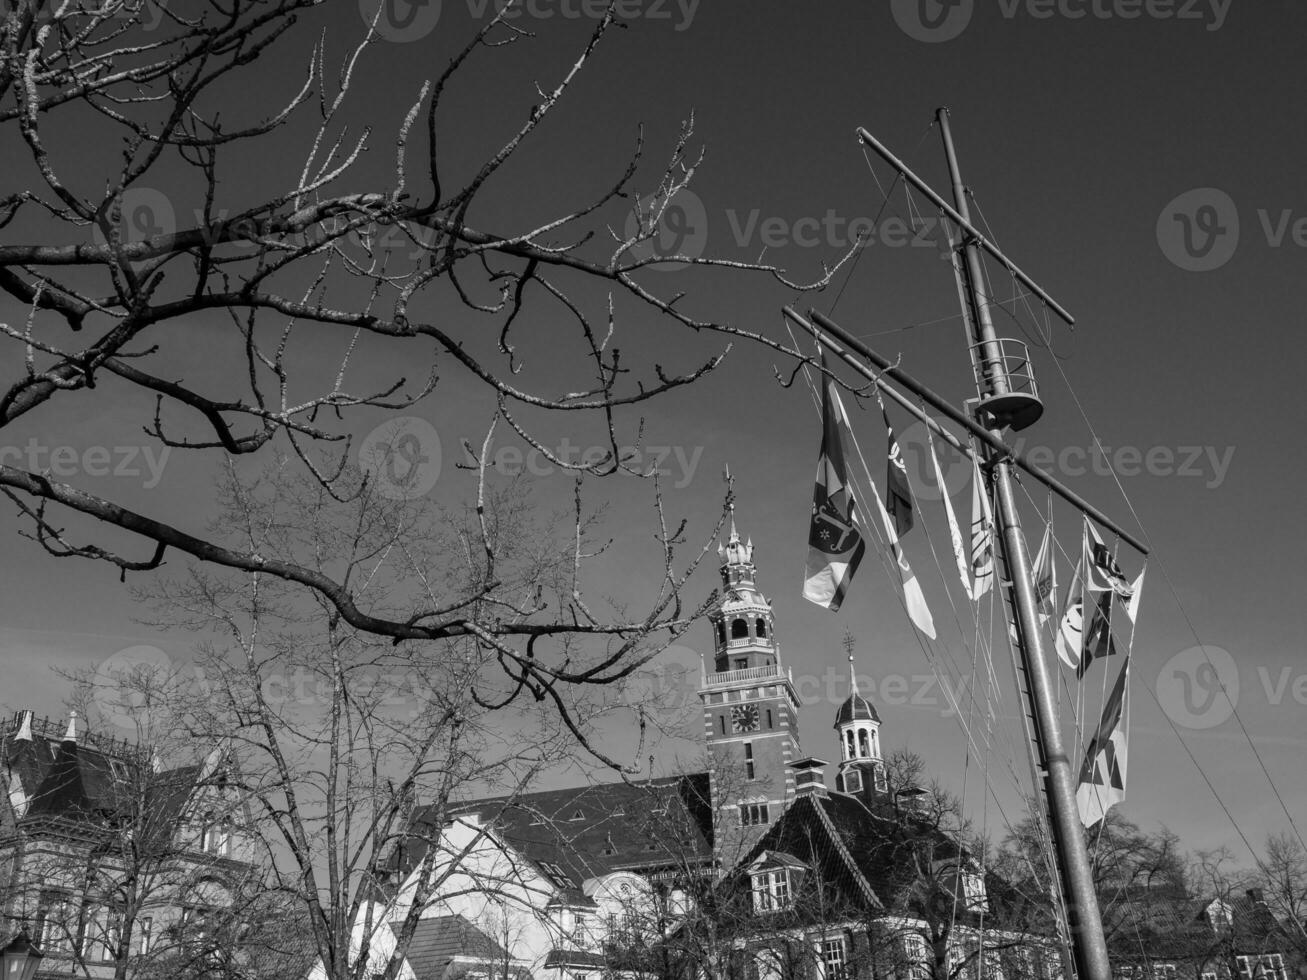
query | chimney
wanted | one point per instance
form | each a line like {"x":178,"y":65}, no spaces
{"x":23,"y":725}
{"x":809,"y":778}
{"x":1257,"y":895}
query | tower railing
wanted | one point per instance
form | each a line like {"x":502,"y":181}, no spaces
{"x":769,"y":672}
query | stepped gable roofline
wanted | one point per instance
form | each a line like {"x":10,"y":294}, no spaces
{"x":577,"y":834}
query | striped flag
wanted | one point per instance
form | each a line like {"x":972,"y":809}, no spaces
{"x":982,"y":534}
{"x":835,"y":542}
{"x":1103,"y":776}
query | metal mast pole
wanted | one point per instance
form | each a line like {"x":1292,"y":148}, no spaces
{"x":1085,"y":922}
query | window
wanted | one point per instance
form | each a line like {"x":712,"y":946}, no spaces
{"x":721,"y":723}
{"x":864,"y":744}
{"x":881,"y":785}
{"x":739,"y":629}
{"x":753,"y":814}
{"x":916,"y":956}
{"x":769,"y":724}
{"x":771,"y":891}
{"x":853,"y":781}
{"x":741,"y":663}
{"x":1245,"y":969}
{"x":762,"y":629}
{"x":557,"y":875}
{"x":577,"y":815}
{"x":835,"y":958}
{"x":721,"y":632}
{"x":749,"y":772}
{"x":54,"y":923}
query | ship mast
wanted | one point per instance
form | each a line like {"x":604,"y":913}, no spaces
{"x":1007,"y":398}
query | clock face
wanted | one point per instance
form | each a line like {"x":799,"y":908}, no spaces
{"x":744,"y":717}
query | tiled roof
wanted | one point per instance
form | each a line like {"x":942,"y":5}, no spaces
{"x":574,"y":834}
{"x":859,"y":854}
{"x":437,"y":940}
{"x":856,"y":708}
{"x":81,"y":781}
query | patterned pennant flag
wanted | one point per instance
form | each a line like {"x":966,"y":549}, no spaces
{"x":1103,"y":776}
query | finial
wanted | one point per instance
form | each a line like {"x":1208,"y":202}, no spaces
{"x":849,"y":643}
{"x":24,"y":733}
{"x":71,"y":734}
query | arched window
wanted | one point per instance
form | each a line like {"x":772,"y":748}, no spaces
{"x":721,"y":632}
{"x":863,"y":744}
{"x":848,"y":748}
{"x":762,"y":629}
{"x":739,"y":629}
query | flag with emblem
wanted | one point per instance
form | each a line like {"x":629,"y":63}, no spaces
{"x":1103,"y":776}
{"x":897,"y":492}
{"x":835,"y":542}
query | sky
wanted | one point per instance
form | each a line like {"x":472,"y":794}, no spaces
{"x":1141,"y":160}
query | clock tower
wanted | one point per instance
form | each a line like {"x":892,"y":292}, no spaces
{"x":750,"y":709}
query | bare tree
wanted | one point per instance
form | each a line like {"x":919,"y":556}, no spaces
{"x":336,"y":262}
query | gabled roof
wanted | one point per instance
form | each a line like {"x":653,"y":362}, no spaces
{"x":858,"y":853}
{"x":573,"y":835}
{"x":438,"y":940}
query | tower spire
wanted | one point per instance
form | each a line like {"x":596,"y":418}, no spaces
{"x":849,"y":644}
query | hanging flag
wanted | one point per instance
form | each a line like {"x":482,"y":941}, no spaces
{"x":982,"y":534}
{"x":1045,"y":578}
{"x":897,"y":491}
{"x":1136,"y":589}
{"x":1098,"y":634}
{"x":1071,"y":626}
{"x":1103,"y":776}
{"x":914,"y":600}
{"x":835,"y":543}
{"x":954,"y":532}
{"x":1103,"y":581}
{"x":1104,"y":572}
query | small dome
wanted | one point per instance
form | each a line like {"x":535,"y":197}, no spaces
{"x":856,"y":708}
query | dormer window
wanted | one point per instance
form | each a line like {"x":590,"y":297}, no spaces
{"x":965,"y":882}
{"x":771,"y":890}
